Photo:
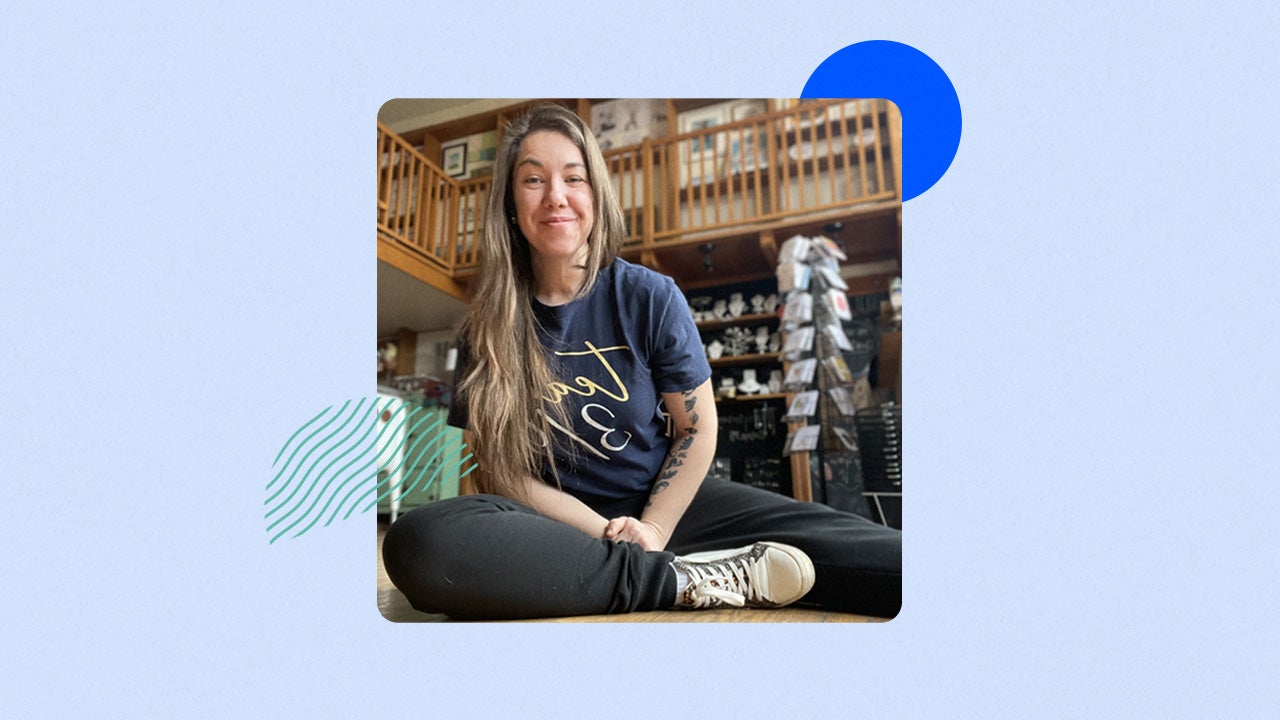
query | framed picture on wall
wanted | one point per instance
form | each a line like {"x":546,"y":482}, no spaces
{"x":743,"y":109}
{"x":700,"y":155}
{"x":453,"y":159}
{"x":744,"y":154}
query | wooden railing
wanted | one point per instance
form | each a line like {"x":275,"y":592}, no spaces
{"x":814,"y":157}
{"x":473,"y":196}
{"x":631,"y":170}
{"x":819,"y":156}
{"x":417,"y":201}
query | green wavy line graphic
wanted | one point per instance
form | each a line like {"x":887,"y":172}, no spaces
{"x":334,"y":461}
{"x":323,"y":444}
{"x":405,"y":461}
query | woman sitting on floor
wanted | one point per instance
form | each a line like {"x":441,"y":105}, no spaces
{"x":587,"y":402}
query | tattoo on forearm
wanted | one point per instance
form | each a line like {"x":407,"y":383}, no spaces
{"x":689,"y":401}
{"x":679,"y":453}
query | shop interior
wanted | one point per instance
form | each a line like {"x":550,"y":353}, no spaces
{"x":779,"y":219}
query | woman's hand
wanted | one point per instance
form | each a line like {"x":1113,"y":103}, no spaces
{"x":628,"y":529}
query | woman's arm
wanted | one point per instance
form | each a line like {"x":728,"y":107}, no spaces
{"x":560,"y":505}
{"x":693,"y":446}
{"x":557,"y":504}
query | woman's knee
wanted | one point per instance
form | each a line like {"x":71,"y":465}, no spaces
{"x":423,"y":547}
{"x":427,"y":531}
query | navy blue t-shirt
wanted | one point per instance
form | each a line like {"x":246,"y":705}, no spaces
{"x":615,"y":351}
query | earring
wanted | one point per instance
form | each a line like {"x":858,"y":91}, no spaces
{"x":512,"y":219}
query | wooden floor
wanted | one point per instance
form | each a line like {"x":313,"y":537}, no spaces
{"x":393,"y":606}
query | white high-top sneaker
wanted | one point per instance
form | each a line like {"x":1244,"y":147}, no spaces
{"x":763,"y":575}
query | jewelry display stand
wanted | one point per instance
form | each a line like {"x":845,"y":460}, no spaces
{"x":739,"y":331}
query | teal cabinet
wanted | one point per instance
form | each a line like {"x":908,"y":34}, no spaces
{"x":429,"y":466}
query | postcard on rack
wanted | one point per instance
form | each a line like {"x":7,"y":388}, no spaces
{"x":843,"y":400}
{"x":794,"y":250}
{"x":798,"y":311}
{"x":839,"y":304}
{"x":803,"y":405}
{"x":848,"y":439}
{"x":799,"y":341}
{"x":831,"y":275}
{"x":800,"y":374}
{"x":792,"y":276}
{"x":839,"y":368}
{"x":805,"y":439}
{"x":836,"y":335}
{"x":828,"y":247}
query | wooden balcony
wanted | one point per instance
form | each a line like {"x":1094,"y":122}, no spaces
{"x":730,"y":194}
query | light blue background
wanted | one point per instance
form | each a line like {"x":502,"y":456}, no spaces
{"x":186,"y":209}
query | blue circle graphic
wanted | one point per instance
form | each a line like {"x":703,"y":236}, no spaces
{"x":923,"y":93}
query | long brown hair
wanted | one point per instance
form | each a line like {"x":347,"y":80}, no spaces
{"x":509,"y":372}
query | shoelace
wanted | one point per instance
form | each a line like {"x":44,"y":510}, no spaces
{"x":733,"y":581}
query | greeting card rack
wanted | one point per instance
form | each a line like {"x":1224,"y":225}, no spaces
{"x":827,"y":354}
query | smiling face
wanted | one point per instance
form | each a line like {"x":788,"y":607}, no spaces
{"x":554,"y":204}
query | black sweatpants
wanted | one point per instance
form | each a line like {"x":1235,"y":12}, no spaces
{"x":488,"y":557}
